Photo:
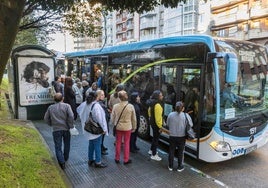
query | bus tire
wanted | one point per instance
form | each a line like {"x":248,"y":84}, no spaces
{"x":144,"y":129}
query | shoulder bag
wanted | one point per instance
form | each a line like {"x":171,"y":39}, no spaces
{"x":189,"y":132}
{"x":114,"y":128}
{"x":91,"y":126}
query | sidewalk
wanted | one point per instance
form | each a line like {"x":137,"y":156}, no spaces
{"x":142,"y":172}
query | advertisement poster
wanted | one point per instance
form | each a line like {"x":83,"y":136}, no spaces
{"x":35,"y":76}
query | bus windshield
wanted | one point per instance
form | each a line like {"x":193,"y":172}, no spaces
{"x":246,"y":96}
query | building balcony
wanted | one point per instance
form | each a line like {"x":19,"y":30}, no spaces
{"x":148,"y":14}
{"x":242,"y":15}
{"x":130,"y":37}
{"x":257,"y":33}
{"x":121,"y":40}
{"x":256,"y":12}
{"x":121,"y":20}
{"x":232,"y":18}
{"x":215,"y":4}
{"x":121,"y":30}
{"x":152,"y":24}
{"x":225,"y":20}
{"x":130,"y":27}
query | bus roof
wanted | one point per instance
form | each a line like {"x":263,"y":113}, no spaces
{"x":143,"y":45}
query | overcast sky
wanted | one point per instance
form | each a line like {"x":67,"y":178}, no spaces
{"x":61,"y":43}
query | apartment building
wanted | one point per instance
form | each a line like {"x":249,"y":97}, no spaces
{"x":83,"y":43}
{"x":125,"y":27}
{"x":151,"y":24}
{"x":240,"y":19}
{"x":182,"y":20}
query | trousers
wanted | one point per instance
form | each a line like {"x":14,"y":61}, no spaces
{"x":176,"y":142}
{"x":60,"y":137}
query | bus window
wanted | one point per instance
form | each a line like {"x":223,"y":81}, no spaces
{"x":168,"y":83}
{"x":191,"y":102}
{"x":209,"y":95}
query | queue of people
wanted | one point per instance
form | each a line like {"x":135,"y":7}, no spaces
{"x":120,"y":111}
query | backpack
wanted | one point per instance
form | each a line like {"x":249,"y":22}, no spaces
{"x":52,"y":91}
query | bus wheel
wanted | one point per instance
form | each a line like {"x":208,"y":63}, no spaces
{"x":144,"y":128}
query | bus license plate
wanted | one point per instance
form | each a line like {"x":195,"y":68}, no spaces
{"x":250,"y":149}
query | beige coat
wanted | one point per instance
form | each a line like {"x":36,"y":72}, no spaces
{"x":128,"y":119}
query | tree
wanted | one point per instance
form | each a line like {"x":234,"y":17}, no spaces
{"x":47,"y":13}
{"x":10,"y":14}
{"x":32,"y":36}
{"x":135,"y":5}
{"x":42,"y":18}
{"x":83,"y":20}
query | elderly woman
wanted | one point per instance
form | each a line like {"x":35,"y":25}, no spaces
{"x":92,"y":105}
{"x":124,"y":118}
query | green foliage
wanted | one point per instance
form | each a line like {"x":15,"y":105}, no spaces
{"x":83,"y":20}
{"x":41,"y":18}
{"x":3,"y":104}
{"x":136,"y":5}
{"x":26,"y":37}
{"x":4,"y":85}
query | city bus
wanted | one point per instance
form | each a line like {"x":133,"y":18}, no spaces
{"x":222,"y":83}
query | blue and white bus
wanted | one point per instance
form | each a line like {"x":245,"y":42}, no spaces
{"x":222,"y":82}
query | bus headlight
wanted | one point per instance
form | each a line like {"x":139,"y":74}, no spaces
{"x":220,"y":146}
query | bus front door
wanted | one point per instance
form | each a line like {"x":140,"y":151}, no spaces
{"x":190,"y":82}
{"x":182,"y":83}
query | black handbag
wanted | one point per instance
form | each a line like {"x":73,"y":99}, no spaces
{"x":189,"y":132}
{"x":91,"y":126}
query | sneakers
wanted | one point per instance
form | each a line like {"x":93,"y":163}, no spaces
{"x":100,"y":165}
{"x":180,"y":168}
{"x":156,"y":157}
{"x":150,"y":152}
{"x":170,"y":169}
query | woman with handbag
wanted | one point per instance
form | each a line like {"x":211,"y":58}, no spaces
{"x":176,"y":122}
{"x":124,"y":117}
{"x":98,"y":115}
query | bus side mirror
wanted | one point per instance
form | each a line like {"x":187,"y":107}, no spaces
{"x":231,"y":64}
{"x":231,"y":68}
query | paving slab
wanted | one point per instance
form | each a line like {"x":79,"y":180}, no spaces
{"x":141,"y":173}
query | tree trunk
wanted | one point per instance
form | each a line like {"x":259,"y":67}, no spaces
{"x":10,"y":15}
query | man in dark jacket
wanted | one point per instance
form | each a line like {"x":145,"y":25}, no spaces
{"x":60,"y":116}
